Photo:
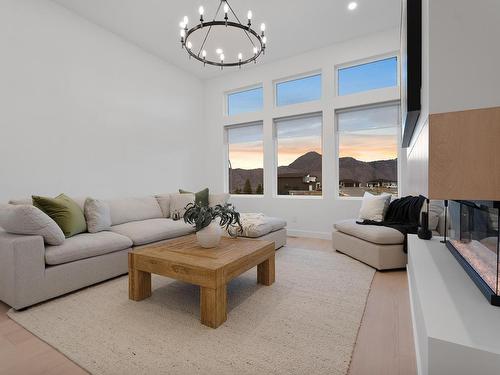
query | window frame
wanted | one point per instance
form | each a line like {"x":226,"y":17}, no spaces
{"x":226,"y":129}
{"x":275,"y":155}
{"x":296,"y":77}
{"x":337,"y":145}
{"x":225,"y":107}
{"x":365,"y":61}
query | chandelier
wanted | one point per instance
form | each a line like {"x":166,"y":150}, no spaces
{"x":257,"y":42}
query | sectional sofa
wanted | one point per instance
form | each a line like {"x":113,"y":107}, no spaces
{"x":32,"y":271}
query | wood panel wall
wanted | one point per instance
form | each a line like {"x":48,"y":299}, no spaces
{"x":464,"y":155}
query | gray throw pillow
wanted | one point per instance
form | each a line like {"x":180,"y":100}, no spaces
{"x":98,"y":215}
{"x":215,"y":199}
{"x":178,"y":203}
{"x":29,"y":220}
{"x":164,"y":202}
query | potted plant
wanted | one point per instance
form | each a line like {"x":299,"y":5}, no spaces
{"x":209,"y":221}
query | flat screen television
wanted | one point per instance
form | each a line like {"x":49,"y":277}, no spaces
{"x":411,"y":67}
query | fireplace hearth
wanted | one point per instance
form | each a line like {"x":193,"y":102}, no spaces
{"x":472,"y":238}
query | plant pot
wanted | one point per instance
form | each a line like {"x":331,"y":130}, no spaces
{"x":209,"y":236}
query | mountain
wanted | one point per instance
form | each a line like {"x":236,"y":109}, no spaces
{"x":353,"y":169}
{"x":310,"y":163}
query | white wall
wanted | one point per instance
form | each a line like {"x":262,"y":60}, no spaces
{"x":461,"y":59}
{"x":464,"y":54}
{"x":84,"y":112}
{"x":305,"y":215}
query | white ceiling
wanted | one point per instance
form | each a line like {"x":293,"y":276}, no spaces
{"x":293,"y":27}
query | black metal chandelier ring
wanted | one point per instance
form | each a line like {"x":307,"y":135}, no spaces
{"x":204,"y":60}
{"x":258,"y":42}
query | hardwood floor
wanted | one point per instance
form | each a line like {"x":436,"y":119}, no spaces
{"x":384,"y":344}
{"x":385,"y":339}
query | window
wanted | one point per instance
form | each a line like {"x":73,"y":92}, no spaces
{"x":369,"y":76}
{"x":368,"y":150}
{"x":245,"y":101}
{"x":246,"y":159}
{"x":298,"y":144}
{"x":298,"y":90}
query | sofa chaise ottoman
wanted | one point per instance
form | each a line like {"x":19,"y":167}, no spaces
{"x":378,"y":246}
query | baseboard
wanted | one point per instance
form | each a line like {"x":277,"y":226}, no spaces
{"x":310,"y":234}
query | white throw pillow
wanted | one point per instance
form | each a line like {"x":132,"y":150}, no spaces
{"x":374,"y":207}
{"x":215,"y":199}
{"x":97,"y":215}
{"x":27,"y":219}
{"x":178,"y":203}
{"x":164,"y":202}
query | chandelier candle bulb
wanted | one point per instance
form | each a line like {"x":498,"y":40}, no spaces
{"x":189,"y":45}
{"x":183,"y":34}
{"x":201,"y":10}
{"x":226,"y":9}
{"x":218,"y":51}
{"x":186,"y":20}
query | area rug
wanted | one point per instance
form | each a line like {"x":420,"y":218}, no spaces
{"x":305,"y":323}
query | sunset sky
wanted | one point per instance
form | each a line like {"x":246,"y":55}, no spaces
{"x":361,"y":147}
{"x":299,"y":136}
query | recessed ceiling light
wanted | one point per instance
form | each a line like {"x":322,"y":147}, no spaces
{"x":352,"y":5}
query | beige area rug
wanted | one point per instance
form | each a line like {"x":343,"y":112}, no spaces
{"x":305,"y":323}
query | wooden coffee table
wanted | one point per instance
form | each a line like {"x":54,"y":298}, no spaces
{"x":183,"y":259}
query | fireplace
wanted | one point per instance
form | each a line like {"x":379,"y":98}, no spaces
{"x":472,"y":237}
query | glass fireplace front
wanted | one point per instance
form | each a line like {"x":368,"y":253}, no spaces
{"x":473,"y":239}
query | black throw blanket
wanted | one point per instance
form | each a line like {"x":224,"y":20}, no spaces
{"x":403,"y":214}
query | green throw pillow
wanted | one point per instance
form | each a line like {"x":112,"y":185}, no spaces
{"x":64,"y":211}
{"x":200,"y":197}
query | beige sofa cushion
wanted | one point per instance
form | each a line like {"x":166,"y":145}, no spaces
{"x":86,"y":245}
{"x":152,"y":230}
{"x":381,"y":257}
{"x":372,"y":233}
{"x":29,"y":220}
{"x":125,"y":210}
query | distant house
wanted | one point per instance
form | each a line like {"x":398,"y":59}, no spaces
{"x":297,"y":182}
{"x":349,"y":183}
{"x":382,"y":183}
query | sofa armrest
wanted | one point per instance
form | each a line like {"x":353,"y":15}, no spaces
{"x":22,"y":267}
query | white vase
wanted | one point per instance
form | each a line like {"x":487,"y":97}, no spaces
{"x":209,"y":236}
